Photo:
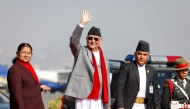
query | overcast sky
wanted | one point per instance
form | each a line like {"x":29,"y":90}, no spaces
{"x":48,"y":24}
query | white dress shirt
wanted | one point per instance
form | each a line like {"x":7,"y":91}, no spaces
{"x":142,"y":85}
{"x":81,"y":25}
{"x":142,"y":77}
{"x":97,"y":57}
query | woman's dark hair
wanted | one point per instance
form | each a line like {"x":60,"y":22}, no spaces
{"x":14,"y":60}
{"x":23,"y":45}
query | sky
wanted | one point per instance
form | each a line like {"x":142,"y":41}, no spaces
{"x":48,"y":24}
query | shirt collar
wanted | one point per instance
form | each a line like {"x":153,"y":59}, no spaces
{"x":181,"y":80}
{"x":140,"y":66}
{"x":95,"y":51}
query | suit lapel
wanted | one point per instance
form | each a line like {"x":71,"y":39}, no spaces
{"x":147,"y":77}
{"x":27,"y":71}
{"x":178,"y":82}
{"x":136,"y":71}
{"x":89,"y":54}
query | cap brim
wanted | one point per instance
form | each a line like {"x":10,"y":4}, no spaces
{"x":174,"y":68}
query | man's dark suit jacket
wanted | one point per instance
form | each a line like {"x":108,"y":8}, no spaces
{"x":24,"y":91}
{"x":128,"y":86}
{"x":177,"y":93}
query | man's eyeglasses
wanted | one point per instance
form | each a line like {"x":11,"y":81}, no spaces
{"x":95,"y":38}
{"x":26,"y":53}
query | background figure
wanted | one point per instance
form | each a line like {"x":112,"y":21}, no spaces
{"x":181,"y":67}
{"x":89,"y":80}
{"x":137,"y":86}
{"x":24,"y":86}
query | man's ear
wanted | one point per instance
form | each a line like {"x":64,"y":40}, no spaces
{"x":148,"y":54}
{"x":100,"y":40}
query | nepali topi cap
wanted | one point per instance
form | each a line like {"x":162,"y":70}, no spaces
{"x":143,"y":46}
{"x":94,"y":31}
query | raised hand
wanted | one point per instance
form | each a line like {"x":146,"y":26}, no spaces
{"x":85,"y":17}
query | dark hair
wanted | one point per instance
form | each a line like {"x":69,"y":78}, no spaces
{"x":23,"y":45}
{"x":14,"y":60}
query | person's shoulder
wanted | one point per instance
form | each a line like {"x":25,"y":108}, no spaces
{"x":12,"y":71}
{"x":187,"y":80}
{"x":150,"y":67}
{"x":14,"y":67}
{"x":166,"y":84}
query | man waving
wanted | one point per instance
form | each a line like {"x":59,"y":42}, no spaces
{"x":89,"y":80}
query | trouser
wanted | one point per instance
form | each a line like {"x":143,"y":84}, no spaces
{"x":139,"y":106}
{"x":88,"y":104}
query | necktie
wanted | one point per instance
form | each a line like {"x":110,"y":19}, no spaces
{"x":182,"y":83}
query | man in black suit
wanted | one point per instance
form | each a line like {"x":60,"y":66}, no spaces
{"x":137,"y":86}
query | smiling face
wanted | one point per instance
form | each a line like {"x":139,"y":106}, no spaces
{"x":141,"y":57}
{"x":25,"y":54}
{"x":93,"y":42}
